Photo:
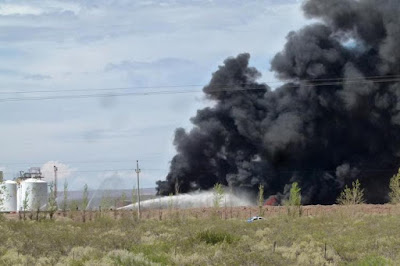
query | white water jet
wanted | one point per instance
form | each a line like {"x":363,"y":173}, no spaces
{"x":192,"y":200}
{"x":106,"y":185}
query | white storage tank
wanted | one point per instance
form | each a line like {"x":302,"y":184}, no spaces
{"x":34,"y":192}
{"x":8,"y":196}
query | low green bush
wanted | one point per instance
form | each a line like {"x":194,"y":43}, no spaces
{"x":215,"y":237}
{"x":372,"y":260}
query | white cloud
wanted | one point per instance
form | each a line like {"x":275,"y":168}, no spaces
{"x":13,"y":9}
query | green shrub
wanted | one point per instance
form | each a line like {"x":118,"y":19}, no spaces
{"x":394,"y":186}
{"x":52,"y":201}
{"x":293,"y":204}
{"x":353,"y":195}
{"x":156,"y":252}
{"x":123,"y":257}
{"x":215,"y":237}
{"x":260,"y":200}
{"x":2,"y":195}
{"x":372,"y":260}
{"x":85,"y":197}
{"x":65,"y":198}
{"x":218,"y":195}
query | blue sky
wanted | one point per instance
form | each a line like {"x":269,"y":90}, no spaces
{"x":142,"y":46}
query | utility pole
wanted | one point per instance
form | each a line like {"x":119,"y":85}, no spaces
{"x":55,"y":181}
{"x":137,"y":170}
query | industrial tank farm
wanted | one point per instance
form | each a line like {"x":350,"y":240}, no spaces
{"x":8,"y":196}
{"x":34,"y":192}
{"x":27,"y":193}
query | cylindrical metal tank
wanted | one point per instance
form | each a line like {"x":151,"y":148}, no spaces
{"x":32,"y":194}
{"x":8,"y":196}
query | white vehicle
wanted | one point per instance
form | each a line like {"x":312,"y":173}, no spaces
{"x":255,"y":218}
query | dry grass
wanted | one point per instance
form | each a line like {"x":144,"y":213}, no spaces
{"x":326,"y":235}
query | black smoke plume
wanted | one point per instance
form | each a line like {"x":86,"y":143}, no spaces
{"x":335,"y":120}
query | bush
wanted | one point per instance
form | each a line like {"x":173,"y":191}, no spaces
{"x":293,"y":204}
{"x":394,"y":186}
{"x":215,"y":237}
{"x":3,"y":195}
{"x":123,"y":257}
{"x":260,"y":200}
{"x":52,"y":202}
{"x":352,"y":196}
{"x":372,"y":260}
{"x":218,"y":195}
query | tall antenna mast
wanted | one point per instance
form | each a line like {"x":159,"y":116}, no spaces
{"x":137,"y":170}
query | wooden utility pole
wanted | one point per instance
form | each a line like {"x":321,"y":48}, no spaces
{"x":55,"y":182}
{"x":137,"y":170}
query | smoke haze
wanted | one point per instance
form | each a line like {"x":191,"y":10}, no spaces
{"x":335,"y":120}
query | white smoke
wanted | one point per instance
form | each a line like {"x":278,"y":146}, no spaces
{"x":192,"y":200}
{"x":63,"y":171}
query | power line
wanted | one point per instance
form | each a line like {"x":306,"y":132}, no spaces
{"x":368,"y":170}
{"x":101,"y":89}
{"x":86,"y":171}
{"x":130,"y":171}
{"x":350,"y":78}
{"x":74,"y":162}
{"x":100,"y":171}
{"x":366,"y":78}
{"x":84,"y":96}
{"x":160,"y":169}
{"x":148,"y":93}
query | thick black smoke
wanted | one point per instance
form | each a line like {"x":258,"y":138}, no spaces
{"x":336,"y":119}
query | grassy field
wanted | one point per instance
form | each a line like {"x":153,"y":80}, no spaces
{"x":341,"y":237}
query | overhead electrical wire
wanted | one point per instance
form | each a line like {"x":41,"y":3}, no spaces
{"x":314,"y":83}
{"x":165,"y":170}
{"x":74,"y":162}
{"x":296,"y":171}
{"x":300,"y":83}
{"x":366,"y":78}
{"x":160,"y":169}
{"x":84,"y":171}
